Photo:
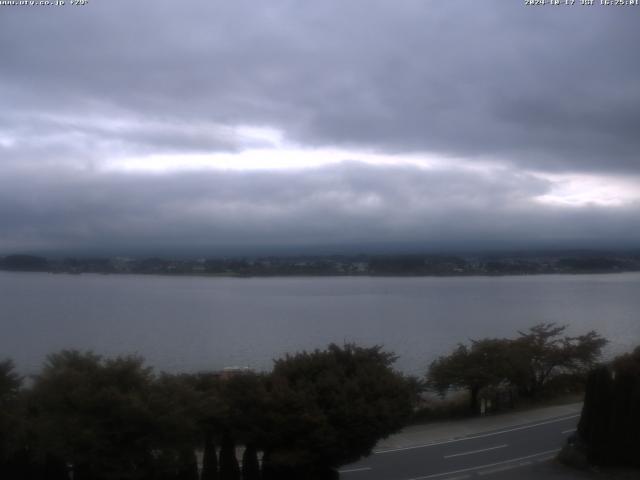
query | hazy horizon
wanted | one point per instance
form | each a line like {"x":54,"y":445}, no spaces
{"x":325,"y":251}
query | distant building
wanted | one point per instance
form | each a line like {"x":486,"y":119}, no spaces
{"x":228,"y":372}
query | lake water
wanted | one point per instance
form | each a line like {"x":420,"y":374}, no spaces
{"x":195,"y":323}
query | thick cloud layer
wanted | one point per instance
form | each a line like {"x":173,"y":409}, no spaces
{"x":335,"y":206}
{"x":532,"y":92}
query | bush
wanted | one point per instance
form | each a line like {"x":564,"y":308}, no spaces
{"x":610,"y":421}
{"x":331,"y":407}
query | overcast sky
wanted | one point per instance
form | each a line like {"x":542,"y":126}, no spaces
{"x":208,"y":125}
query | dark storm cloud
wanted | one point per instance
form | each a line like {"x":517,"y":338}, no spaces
{"x":337,"y":205}
{"x":547,"y":88}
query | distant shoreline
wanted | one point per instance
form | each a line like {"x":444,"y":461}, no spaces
{"x":330,"y":275}
{"x":398,"y":265}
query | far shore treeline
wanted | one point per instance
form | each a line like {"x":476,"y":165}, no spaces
{"x":115,"y":418}
{"x":496,"y":263}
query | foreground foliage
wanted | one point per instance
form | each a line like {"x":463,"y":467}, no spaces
{"x":108,"y":419}
{"x":609,"y":428}
{"x":528,"y":364}
{"x":328,"y":408}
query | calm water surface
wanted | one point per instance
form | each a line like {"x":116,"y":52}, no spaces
{"x":193,"y":323}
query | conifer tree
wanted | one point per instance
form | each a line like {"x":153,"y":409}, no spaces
{"x":229,"y":468}
{"x":250,"y":464}
{"x":188,"y":466}
{"x":595,"y":421}
{"x":209,"y":459}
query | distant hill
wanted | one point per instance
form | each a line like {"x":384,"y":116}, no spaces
{"x":493,"y":264}
{"x":25,"y":263}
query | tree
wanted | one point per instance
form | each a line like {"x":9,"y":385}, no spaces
{"x":209,"y":458}
{"x":10,"y":425}
{"x":231,"y":409}
{"x":229,"y":468}
{"x":625,"y":417}
{"x":250,"y":464}
{"x":330,"y":407}
{"x":10,"y":382}
{"x":94,"y":414}
{"x":542,"y":352}
{"x":175,"y":404}
{"x":244,"y":401}
{"x":483,"y":364}
{"x":187,"y":464}
{"x":527,"y":362}
{"x":595,"y":421}
{"x":610,"y":422}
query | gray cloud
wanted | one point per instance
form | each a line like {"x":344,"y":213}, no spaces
{"x":548,"y":88}
{"x":345,"y":204}
{"x":530,"y":89}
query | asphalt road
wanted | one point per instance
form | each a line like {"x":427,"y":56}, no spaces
{"x":488,"y":455}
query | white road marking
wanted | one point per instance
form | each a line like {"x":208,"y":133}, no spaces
{"x":475,"y":451}
{"x":571,"y":430}
{"x":481,"y":467}
{"x":545,"y":459}
{"x":498,"y":469}
{"x":473,"y":437}
{"x":353,"y":470}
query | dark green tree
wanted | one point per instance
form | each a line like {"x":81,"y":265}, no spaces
{"x":94,"y":414}
{"x":625,"y":418}
{"x":175,"y":405}
{"x":10,"y":382}
{"x":250,"y":464}
{"x":187,"y":464}
{"x":484,"y":363}
{"x":327,"y":408}
{"x":229,"y":468}
{"x":11,"y":426}
{"x":244,"y":401}
{"x":595,"y":422}
{"x":610,"y":421}
{"x":527,"y":363}
{"x":234,"y":405}
{"x":543,"y":352}
{"x":209,"y":458}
